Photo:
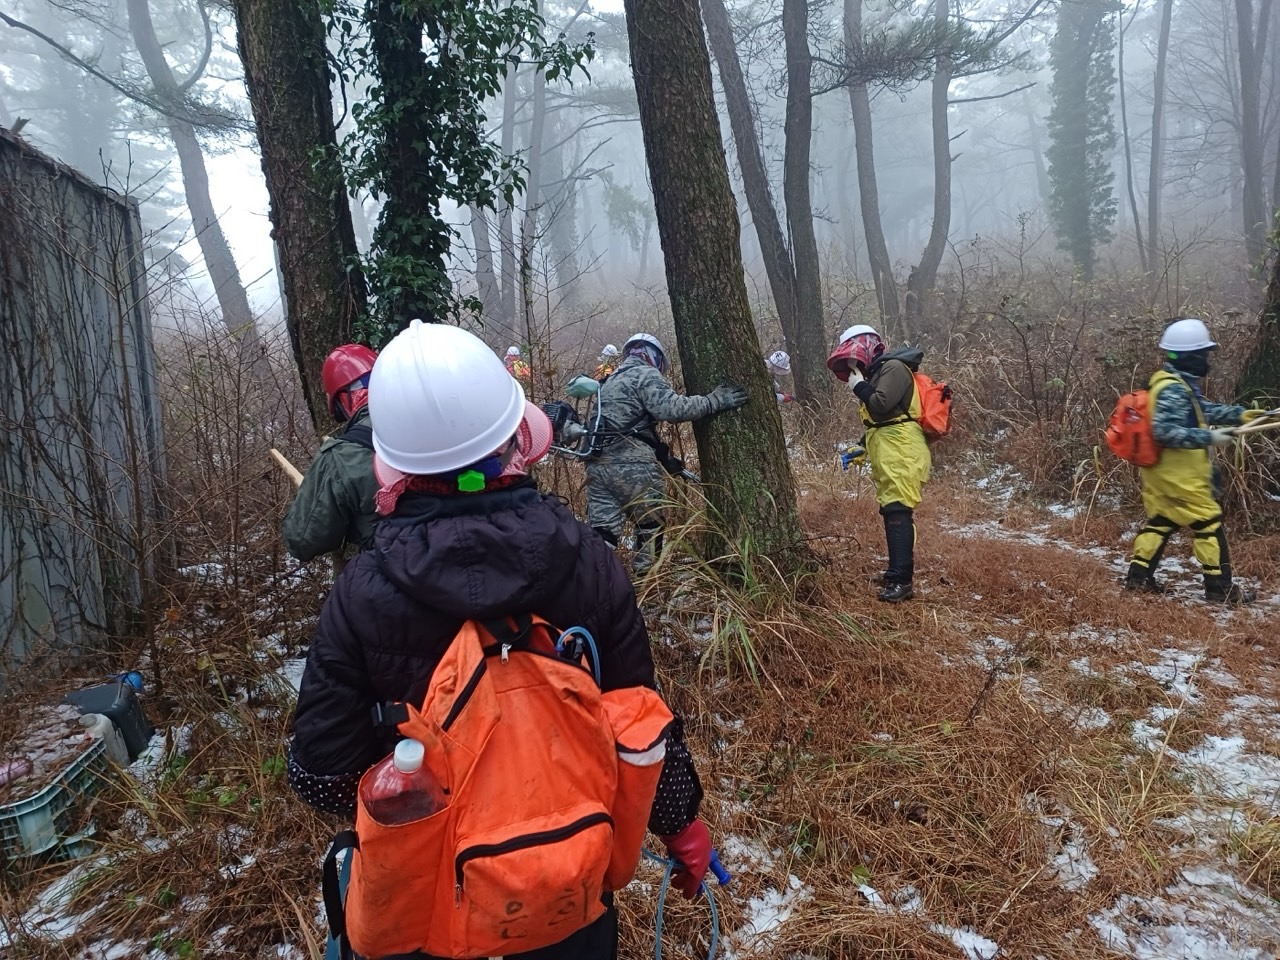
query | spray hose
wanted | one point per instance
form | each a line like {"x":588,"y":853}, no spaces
{"x":670,"y":866}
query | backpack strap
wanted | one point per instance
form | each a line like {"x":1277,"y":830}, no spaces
{"x":904,"y":404}
{"x":1164,"y":378}
{"x":334,"y":888}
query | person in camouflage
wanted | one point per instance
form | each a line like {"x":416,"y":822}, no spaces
{"x":334,"y":510}
{"x":1181,"y":490}
{"x":625,"y":479}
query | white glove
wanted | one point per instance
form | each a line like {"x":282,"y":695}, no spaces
{"x":1223,"y":436}
{"x":855,"y":378}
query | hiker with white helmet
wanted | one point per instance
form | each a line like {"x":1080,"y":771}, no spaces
{"x":517,"y":367}
{"x":885,"y":386}
{"x":778,"y":364}
{"x":1181,"y":489}
{"x":609,"y":360}
{"x":626,"y":478}
{"x":468,"y":542}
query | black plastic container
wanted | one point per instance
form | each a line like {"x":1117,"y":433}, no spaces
{"x":119,"y":701}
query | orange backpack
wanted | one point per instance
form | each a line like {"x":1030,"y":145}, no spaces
{"x":549,"y":784}
{"x":935,"y":406}
{"x":1129,"y":432}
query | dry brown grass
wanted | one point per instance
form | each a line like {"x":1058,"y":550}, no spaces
{"x":841,"y":742}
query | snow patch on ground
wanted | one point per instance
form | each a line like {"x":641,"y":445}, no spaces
{"x":908,"y":901}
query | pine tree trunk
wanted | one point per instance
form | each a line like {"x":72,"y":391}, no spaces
{"x":1128,"y":145}
{"x":1155,"y":183}
{"x":1043,"y":188}
{"x":506,"y":212}
{"x":532,"y":203}
{"x":486,"y":282}
{"x":868,"y":189}
{"x":232,"y":299}
{"x":921,"y":282}
{"x":755,"y":177}
{"x":808,"y":351}
{"x":742,"y":454}
{"x":1256,"y":222}
{"x":282,"y":46}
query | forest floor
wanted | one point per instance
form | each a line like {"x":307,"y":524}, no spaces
{"x":1026,"y":761}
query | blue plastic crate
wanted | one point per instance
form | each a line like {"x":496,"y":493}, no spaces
{"x":46,"y":819}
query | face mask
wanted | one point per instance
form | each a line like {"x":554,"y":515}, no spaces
{"x":1193,"y":364}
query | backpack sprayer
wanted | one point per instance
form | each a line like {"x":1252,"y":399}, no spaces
{"x":582,"y":435}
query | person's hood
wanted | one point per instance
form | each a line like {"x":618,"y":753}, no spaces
{"x":482,"y":555}
{"x":911,"y":356}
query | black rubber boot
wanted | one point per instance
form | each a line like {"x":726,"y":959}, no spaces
{"x":1222,"y":590}
{"x":1141,"y":580}
{"x":900,"y":537}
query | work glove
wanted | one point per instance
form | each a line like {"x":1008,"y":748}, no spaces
{"x":855,"y":378}
{"x":1252,"y":415}
{"x":691,"y":849}
{"x":855,"y":454}
{"x":1222,"y":436}
{"x":728,"y":396}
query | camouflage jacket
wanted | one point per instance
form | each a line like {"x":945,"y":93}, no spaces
{"x":1175,"y":424}
{"x":334,"y":506}
{"x":635,"y":399}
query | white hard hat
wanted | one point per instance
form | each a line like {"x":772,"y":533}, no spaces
{"x":856,"y":330}
{"x":780,"y":360}
{"x":1186,"y":336}
{"x":609,"y":350}
{"x":440,"y":400}
{"x":513,"y":351}
{"x":648,"y":338}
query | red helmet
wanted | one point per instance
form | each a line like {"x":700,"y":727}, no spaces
{"x":860,"y":346}
{"x":342,"y":368}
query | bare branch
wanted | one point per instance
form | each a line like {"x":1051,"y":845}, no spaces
{"x":198,"y":70}
{"x":994,"y":96}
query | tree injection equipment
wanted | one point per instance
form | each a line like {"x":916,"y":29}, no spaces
{"x":581,"y":434}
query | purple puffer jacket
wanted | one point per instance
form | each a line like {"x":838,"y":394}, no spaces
{"x":436,"y":562}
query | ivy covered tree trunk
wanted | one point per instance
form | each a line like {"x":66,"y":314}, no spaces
{"x":742,"y":453}
{"x":400,"y":239}
{"x":1082,"y":133}
{"x":282,"y":46}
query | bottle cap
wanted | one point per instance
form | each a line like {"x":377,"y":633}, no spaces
{"x":408,"y":756}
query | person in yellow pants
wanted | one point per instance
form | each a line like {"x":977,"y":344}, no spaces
{"x":896,"y":446}
{"x":1181,"y":489}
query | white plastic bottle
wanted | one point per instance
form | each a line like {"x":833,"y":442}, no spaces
{"x":103,"y":728}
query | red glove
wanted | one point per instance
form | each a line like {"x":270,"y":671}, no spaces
{"x":691,"y":849}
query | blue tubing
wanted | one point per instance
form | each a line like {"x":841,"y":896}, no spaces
{"x":722,"y":875}
{"x":585,"y":634}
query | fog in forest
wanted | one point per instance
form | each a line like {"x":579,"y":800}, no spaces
{"x":75,"y":78}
